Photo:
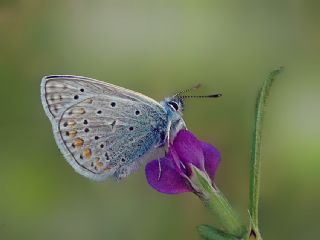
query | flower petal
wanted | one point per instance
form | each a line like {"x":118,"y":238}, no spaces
{"x":170,"y":181}
{"x":189,"y":149}
{"x":211,"y":158}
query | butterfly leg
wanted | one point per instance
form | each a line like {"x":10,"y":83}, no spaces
{"x":168,"y":137}
{"x":160,"y":169}
{"x":166,"y":150}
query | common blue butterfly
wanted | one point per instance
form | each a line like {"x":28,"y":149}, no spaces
{"x":107,"y":131}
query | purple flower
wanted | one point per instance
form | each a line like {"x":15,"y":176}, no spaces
{"x":187,"y":156}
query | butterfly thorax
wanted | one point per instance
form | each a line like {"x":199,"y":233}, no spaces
{"x":174,"y":109}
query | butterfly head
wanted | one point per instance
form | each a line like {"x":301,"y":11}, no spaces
{"x":174,"y":109}
{"x":174,"y":105}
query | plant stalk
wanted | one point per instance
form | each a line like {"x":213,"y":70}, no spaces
{"x":254,"y":188}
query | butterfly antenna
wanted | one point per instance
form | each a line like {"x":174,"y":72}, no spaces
{"x":187,"y":90}
{"x":203,"y":96}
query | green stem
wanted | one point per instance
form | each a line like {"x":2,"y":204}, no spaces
{"x":220,"y":207}
{"x":254,"y":192}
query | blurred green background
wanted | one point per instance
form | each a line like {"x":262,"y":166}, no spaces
{"x":159,"y":48}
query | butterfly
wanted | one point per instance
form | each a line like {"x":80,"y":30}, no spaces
{"x":106,"y":131}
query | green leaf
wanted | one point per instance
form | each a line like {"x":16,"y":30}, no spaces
{"x":255,"y":152}
{"x":210,"y":233}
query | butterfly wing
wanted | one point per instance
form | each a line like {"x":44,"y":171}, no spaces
{"x":101,"y":128}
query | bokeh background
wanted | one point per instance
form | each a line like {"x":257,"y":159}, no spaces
{"x":159,"y":48}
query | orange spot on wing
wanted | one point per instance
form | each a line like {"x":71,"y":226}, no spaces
{"x":72,"y":133}
{"x":88,"y":101}
{"x":78,"y":142}
{"x":77,"y":111}
{"x":99,"y":164}
{"x":87,"y":153}
{"x":71,"y":123}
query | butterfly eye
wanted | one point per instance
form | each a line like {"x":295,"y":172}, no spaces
{"x":174,"y":105}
